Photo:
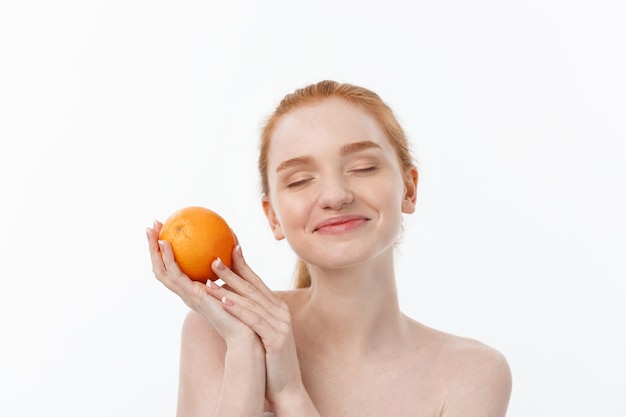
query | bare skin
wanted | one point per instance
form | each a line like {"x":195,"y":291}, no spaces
{"x":424,"y":372}
{"x":341,"y":347}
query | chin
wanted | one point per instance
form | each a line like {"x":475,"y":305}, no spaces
{"x":350,"y":258}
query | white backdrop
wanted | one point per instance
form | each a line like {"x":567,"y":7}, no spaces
{"x":113,"y":113}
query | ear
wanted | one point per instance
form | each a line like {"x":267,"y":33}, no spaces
{"x":410,"y":190}
{"x":272,"y":219}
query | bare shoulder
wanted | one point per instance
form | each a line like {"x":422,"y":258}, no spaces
{"x":202,"y":349}
{"x":202,"y":353}
{"x":475,"y":378}
{"x":198,"y":334}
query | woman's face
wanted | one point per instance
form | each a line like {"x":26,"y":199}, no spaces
{"x":337,"y":192}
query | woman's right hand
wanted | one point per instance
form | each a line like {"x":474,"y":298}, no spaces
{"x":195,"y":294}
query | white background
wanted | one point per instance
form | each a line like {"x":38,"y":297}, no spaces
{"x":113,"y":113}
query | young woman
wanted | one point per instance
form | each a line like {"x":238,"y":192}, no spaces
{"x":337,"y":177}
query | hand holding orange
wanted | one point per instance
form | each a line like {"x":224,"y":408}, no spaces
{"x":198,"y":236}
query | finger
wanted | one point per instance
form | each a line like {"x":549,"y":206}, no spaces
{"x":194,"y":294}
{"x":244,"y":271}
{"x":252,"y":314}
{"x":158,"y":268}
{"x":167,"y":254}
{"x":152,"y":233}
{"x":191,"y":292}
{"x":247,"y":295}
{"x":243,"y":287}
{"x":233,"y":281}
{"x":257,"y":321}
{"x":235,"y":237}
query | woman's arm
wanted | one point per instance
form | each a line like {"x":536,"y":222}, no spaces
{"x":215,"y":380}
{"x":248,"y":299}
{"x":258,"y":349}
{"x":222,"y":370}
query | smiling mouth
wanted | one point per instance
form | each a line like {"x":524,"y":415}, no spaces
{"x":340,"y":224}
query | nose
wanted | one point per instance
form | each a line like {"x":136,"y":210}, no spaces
{"x":335,"y":192}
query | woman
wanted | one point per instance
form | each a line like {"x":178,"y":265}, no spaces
{"x":337,"y":178}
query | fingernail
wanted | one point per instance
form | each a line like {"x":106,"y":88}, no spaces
{"x":161,"y":244}
{"x":148,"y":232}
{"x":238,"y":250}
{"x":226,"y":301}
{"x":219,"y":264}
{"x":155,"y":223}
{"x":212,"y":285}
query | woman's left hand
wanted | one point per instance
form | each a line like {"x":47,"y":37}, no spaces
{"x":246,"y":297}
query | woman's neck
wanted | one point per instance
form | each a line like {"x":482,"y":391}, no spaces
{"x":352,"y":311}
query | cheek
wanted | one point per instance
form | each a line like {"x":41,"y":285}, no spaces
{"x":389,"y":199}
{"x":387,"y":190}
{"x":291,"y":212}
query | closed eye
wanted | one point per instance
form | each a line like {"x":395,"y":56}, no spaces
{"x":298,"y":183}
{"x":365,"y":169}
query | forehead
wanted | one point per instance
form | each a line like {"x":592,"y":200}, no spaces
{"x":323,"y":126}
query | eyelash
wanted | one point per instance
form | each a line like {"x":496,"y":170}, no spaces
{"x":364,"y":170}
{"x":298,"y":183}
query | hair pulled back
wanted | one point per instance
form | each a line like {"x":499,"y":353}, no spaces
{"x":314,"y":93}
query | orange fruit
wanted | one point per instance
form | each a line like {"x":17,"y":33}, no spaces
{"x":198,"y":236}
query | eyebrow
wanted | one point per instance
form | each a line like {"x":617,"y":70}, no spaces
{"x":358,"y":146}
{"x":345,"y":150}
{"x":294,"y":162}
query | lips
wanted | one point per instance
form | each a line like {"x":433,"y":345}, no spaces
{"x":340,"y":224}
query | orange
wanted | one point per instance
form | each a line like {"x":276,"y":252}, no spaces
{"x":198,"y":236}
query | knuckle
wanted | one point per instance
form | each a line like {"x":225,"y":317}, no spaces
{"x":161,"y":276}
{"x":284,"y":329}
{"x":279,"y":342}
{"x":256,"y":320}
{"x":248,"y":289}
{"x":240,"y":262}
{"x":285,"y":317}
{"x":287,"y":321}
{"x":194,"y":301}
{"x":249,"y":305}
